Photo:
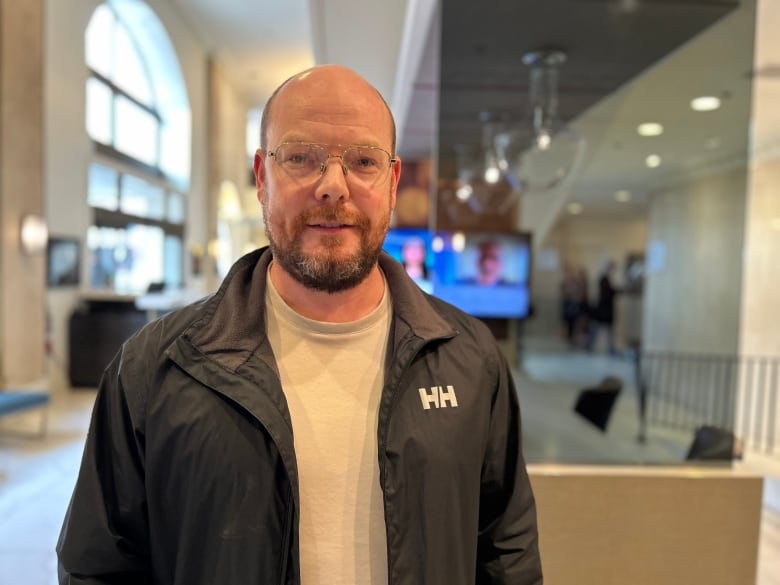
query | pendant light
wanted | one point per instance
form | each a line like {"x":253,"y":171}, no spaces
{"x":538,"y":155}
{"x":481,"y":183}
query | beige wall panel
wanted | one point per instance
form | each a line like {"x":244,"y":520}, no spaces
{"x":647,"y":528}
{"x":22,"y":302}
{"x":694,"y":268}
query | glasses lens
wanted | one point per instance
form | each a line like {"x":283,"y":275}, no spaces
{"x":366,"y":164}
{"x":301,"y":160}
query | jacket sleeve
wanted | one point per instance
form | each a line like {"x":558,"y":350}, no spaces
{"x":104,"y":539}
{"x":508,"y":545}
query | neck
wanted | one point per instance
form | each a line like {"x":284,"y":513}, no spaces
{"x":339,"y":307}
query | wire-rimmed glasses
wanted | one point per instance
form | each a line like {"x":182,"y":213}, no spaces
{"x":307,"y":161}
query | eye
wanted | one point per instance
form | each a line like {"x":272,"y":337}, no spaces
{"x":297,"y":156}
{"x":364,"y":161}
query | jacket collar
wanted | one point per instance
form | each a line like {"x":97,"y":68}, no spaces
{"x":233,"y":327}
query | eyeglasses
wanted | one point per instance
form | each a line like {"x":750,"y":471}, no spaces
{"x":367,"y":165}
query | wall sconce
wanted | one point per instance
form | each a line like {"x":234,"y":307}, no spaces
{"x":34,"y":234}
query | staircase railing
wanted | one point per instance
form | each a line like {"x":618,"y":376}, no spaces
{"x":739,"y":394}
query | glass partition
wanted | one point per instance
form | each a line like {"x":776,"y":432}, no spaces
{"x":631,"y":351}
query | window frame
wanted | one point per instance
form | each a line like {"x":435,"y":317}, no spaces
{"x":108,"y":155}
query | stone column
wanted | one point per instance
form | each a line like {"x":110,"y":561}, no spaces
{"x":22,"y":277}
{"x":758,"y":413}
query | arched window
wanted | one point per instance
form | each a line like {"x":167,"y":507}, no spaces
{"x":138,"y":117}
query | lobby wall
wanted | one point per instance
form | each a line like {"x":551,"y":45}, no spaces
{"x":694,"y":265}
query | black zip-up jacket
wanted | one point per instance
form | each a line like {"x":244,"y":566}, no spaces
{"x":189,"y":474}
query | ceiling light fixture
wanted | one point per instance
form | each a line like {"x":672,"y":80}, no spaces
{"x":541,"y":153}
{"x":574,"y":208}
{"x":650,"y":129}
{"x":653,"y":161}
{"x":481,"y":184}
{"x":463,"y":192}
{"x":623,"y":195}
{"x":705,"y":103}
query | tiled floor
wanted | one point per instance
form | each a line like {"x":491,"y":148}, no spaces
{"x":36,"y":480}
{"x":37,"y":475}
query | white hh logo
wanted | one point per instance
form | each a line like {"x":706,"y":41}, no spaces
{"x":438,"y":397}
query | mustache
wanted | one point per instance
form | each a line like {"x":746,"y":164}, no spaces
{"x":332,"y":214}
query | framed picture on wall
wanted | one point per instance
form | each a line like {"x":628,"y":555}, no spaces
{"x":634,"y":273}
{"x":63,"y":262}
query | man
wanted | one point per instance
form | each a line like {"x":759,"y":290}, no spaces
{"x":319,"y":419}
{"x":490,"y":265}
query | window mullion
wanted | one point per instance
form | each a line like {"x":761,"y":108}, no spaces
{"x":118,"y":90}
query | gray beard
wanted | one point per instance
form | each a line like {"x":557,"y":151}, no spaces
{"x":323,"y":270}
{"x":325,"y":273}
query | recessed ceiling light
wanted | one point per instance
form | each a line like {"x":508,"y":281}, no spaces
{"x":574,"y":208}
{"x":712,"y":143}
{"x":623,"y":195}
{"x":705,"y":103}
{"x":653,"y":161}
{"x":650,"y":129}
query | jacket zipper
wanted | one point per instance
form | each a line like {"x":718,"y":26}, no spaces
{"x":290,"y":507}
{"x":383,"y":471}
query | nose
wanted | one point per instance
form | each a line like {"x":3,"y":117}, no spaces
{"x":332,"y":183}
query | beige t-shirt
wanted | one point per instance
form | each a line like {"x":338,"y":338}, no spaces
{"x":332,"y":376}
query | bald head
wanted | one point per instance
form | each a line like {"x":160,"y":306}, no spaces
{"x":333,"y":80}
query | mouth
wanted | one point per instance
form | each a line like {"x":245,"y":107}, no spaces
{"x":328,"y":225}
{"x":331,"y":221}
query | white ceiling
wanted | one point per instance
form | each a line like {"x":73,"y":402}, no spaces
{"x":692,"y":142}
{"x":259,"y":43}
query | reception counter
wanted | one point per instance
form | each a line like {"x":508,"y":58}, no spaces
{"x":647,"y":525}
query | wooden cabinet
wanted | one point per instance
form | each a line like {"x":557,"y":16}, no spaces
{"x":96,"y":331}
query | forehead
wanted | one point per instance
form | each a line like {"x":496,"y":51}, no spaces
{"x":338,"y":111}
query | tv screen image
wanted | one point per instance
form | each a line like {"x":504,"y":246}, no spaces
{"x":485,"y":274}
{"x":412,"y":248}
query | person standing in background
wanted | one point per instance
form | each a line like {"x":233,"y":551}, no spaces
{"x":570,"y":304}
{"x":603,"y":313}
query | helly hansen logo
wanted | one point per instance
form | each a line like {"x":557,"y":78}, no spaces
{"x":438,"y":397}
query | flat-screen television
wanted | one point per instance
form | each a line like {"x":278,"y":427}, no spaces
{"x":486,"y":274}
